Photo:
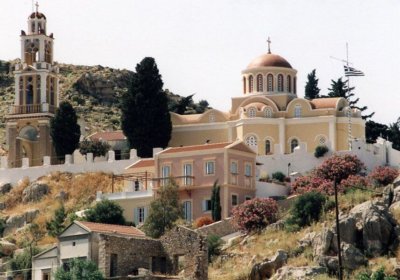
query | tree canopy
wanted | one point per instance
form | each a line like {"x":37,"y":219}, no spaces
{"x":96,"y":147}
{"x":79,"y":269}
{"x":106,"y":212}
{"x":145,"y":117}
{"x":65,"y":130}
{"x":164,"y":211}
{"x":312,"y":90}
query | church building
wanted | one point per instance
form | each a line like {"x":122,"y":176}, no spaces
{"x":36,"y":96}
{"x":270,"y":117}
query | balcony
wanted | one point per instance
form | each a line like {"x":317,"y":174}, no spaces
{"x":32,"y":109}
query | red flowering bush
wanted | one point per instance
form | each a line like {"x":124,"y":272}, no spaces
{"x":311,"y":183}
{"x":202,"y":221}
{"x":383,"y":175}
{"x":339,"y":167}
{"x":354,"y":181}
{"x":255,"y":214}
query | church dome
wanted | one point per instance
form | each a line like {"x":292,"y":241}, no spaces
{"x":37,"y":15}
{"x":269,"y":60}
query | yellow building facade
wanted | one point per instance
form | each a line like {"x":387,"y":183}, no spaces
{"x":270,"y":118}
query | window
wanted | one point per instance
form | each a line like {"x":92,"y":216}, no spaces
{"x":322,"y":140}
{"x":187,"y":210}
{"x":270,"y":82}
{"x":293,"y":144}
{"x":234,"y":167}
{"x":247,"y":197}
{"x":140,"y":215}
{"x":280,"y":82}
{"x":259,"y":83}
{"x":297,"y":111}
{"x":45,"y":275}
{"x":165,"y":174}
{"x":252,"y":112}
{"x":234,"y":200}
{"x":244,"y":85}
{"x":251,"y":141}
{"x":289,"y":83}
{"x":206,"y":205}
{"x":73,"y":243}
{"x":295,"y":85}
{"x":187,"y":173}
{"x":210,"y":167}
{"x":251,"y":85}
{"x":113,"y":265}
{"x":268,"y":112}
{"x":267,"y":147}
{"x":247,"y":169}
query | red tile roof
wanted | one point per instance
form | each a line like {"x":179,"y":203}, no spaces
{"x":143,"y":163}
{"x":108,"y":136}
{"x":196,"y":148}
{"x":114,"y":229}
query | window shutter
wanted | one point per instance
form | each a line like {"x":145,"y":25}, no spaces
{"x":136,"y":217}
{"x":204,"y":205}
{"x":145,"y":213}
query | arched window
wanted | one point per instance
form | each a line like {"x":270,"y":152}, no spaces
{"x":251,"y":141}
{"x":268,"y":112}
{"x":267,"y":147}
{"x":293,"y":144}
{"x":297,"y":111}
{"x":295,"y":85}
{"x":244,"y":85}
{"x":251,"y":84}
{"x":270,"y":82}
{"x":280,"y":82}
{"x":322,"y":140}
{"x":289,"y":83}
{"x":252,"y":112}
{"x":259,"y":83}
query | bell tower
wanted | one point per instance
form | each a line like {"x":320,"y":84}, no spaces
{"x":36,"y":95}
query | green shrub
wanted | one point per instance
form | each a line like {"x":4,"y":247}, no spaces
{"x":214,"y":243}
{"x":306,"y":209}
{"x":377,"y":275}
{"x":278,"y":176}
{"x":106,"y":212}
{"x":320,"y":151}
{"x":79,"y":269}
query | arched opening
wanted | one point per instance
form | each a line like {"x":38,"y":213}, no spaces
{"x":267,"y":147}
{"x":268,"y":112}
{"x":289,"y":83}
{"x":244,"y":85}
{"x":297,"y":111}
{"x":270,"y":82}
{"x":251,"y":141}
{"x":295,"y":85}
{"x":293,"y":144}
{"x":280,"y":82}
{"x":259,"y":83}
{"x":29,"y":94}
{"x":252,"y":112}
{"x":251,"y":83}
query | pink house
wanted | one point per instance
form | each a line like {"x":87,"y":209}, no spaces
{"x":196,"y":168}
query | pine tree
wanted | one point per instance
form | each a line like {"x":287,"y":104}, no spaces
{"x":145,"y":118}
{"x":339,"y":88}
{"x":164,"y":211}
{"x":65,"y":130}
{"x":312,"y":90}
{"x":56,"y":225}
{"x":216,"y":202}
{"x":106,"y":212}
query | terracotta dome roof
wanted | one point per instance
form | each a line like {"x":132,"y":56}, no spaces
{"x":37,"y":15}
{"x":269,"y":60}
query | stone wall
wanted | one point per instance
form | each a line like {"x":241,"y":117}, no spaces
{"x":221,"y":228}
{"x":181,"y":241}
{"x":132,"y":253}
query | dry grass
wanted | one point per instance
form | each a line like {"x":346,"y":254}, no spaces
{"x":81,"y":190}
{"x":353,"y":198}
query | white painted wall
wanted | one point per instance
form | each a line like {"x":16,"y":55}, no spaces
{"x":81,"y":248}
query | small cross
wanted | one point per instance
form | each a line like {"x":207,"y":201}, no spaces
{"x":269,"y":44}
{"x":37,"y":7}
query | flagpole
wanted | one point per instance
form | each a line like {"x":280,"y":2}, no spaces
{"x":349,"y":113}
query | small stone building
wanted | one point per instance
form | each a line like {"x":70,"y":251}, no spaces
{"x":120,"y":251}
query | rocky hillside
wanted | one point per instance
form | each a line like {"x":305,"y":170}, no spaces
{"x":95,"y":92}
{"x":370,"y":237}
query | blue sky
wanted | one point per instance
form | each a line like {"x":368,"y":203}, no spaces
{"x":201,"y":46}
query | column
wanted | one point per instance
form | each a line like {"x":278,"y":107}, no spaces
{"x":282,"y":135}
{"x":44,"y":139}
{"x":43,"y":88}
{"x":11,"y":141}
{"x":41,"y":50}
{"x":17,"y":90}
{"x":332,"y":133}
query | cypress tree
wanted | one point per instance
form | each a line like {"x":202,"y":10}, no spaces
{"x":145,"y":118}
{"x":216,"y":202}
{"x":65,"y":130}
{"x":312,"y":90}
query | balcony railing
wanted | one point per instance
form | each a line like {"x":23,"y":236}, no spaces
{"x":32,"y":109}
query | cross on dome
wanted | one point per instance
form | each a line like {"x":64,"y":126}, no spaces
{"x":269,"y":44}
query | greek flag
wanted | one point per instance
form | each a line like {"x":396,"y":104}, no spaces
{"x":350,"y":71}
